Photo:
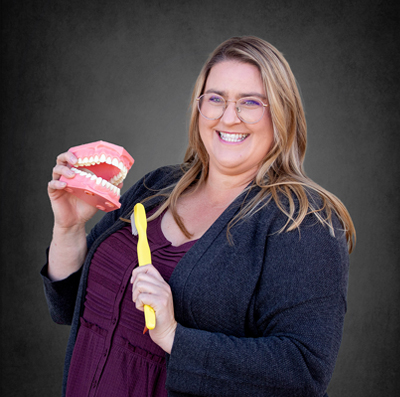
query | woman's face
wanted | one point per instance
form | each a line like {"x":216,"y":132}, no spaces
{"x":234,"y":147}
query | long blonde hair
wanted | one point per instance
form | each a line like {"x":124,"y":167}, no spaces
{"x":281,"y":171}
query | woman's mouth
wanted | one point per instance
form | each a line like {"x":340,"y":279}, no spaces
{"x":232,"y":138}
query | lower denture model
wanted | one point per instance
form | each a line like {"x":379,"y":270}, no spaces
{"x":100,"y":171}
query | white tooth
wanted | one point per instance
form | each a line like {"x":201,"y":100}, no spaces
{"x":73,"y":169}
{"x":118,"y":192}
{"x":115,"y":162}
{"x":103,"y":158}
{"x":91,"y":160}
{"x":93,"y":177}
{"x":103,"y":182}
{"x":87,"y":175}
{"x":79,"y":161}
{"x":85,"y":160}
{"x":121,"y":165}
{"x":98,"y":180}
{"x":108,"y":161}
{"x":96,"y":159}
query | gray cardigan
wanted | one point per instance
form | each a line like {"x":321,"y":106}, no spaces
{"x":261,"y":317}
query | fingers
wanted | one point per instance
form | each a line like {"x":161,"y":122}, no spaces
{"x":146,"y":269}
{"x":148,"y":287}
{"x":63,"y":163}
{"x":59,"y":170}
{"x":66,"y":158}
{"x":62,"y":168}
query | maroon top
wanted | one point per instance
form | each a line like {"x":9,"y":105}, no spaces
{"x":112,"y":357}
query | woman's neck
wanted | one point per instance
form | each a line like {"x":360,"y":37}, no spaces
{"x":222,"y":189}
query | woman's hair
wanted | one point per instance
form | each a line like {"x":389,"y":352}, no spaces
{"x":281,"y":172}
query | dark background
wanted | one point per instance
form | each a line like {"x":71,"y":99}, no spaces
{"x":123,"y":71}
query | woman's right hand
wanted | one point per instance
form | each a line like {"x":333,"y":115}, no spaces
{"x":69,"y":211}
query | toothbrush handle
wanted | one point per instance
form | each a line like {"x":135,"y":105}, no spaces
{"x":144,"y":257}
{"x":143,"y":251}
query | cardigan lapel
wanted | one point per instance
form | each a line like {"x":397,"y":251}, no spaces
{"x":193,"y":256}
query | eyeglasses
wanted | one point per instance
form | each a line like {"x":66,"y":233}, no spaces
{"x":249,"y":109}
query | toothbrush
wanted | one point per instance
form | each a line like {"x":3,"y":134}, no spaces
{"x":144,"y":257}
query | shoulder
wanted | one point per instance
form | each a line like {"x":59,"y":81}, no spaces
{"x":163,"y":176}
{"x":274,"y":220}
{"x":158,"y":179}
{"x":312,"y":257}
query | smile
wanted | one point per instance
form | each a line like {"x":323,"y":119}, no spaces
{"x":233,"y":138}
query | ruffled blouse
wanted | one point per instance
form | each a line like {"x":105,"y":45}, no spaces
{"x":112,"y":357}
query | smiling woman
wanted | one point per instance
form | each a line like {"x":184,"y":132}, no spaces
{"x":249,"y":269}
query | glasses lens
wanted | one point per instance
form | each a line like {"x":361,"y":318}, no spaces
{"x":211,"y":106}
{"x":250,"y":109}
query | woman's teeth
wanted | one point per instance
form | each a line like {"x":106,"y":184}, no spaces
{"x":232,"y":137}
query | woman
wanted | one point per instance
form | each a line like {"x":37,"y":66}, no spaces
{"x":250,"y":257}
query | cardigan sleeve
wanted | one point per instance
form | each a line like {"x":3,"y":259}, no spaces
{"x":298,"y":310}
{"x":60,"y":295}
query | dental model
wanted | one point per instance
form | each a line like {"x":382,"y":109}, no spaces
{"x":100,"y":171}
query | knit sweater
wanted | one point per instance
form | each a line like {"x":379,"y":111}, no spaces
{"x":262,"y":316}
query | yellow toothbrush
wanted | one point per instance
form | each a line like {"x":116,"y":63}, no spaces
{"x":144,"y":257}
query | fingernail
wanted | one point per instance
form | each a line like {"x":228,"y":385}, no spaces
{"x":73,"y":160}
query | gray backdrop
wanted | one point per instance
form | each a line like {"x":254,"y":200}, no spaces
{"x":122,"y":71}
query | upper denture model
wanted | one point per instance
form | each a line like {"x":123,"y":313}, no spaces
{"x":100,"y":171}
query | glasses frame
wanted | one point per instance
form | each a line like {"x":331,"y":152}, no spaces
{"x":237,"y":108}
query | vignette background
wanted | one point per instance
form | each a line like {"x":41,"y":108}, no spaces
{"x":122,"y":71}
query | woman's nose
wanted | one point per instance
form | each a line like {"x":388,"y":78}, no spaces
{"x":230,"y":115}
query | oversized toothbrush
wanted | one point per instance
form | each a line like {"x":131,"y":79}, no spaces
{"x":144,"y":256}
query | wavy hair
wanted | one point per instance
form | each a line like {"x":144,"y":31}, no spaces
{"x":281,"y":173}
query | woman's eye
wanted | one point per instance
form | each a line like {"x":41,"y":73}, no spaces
{"x":250,"y":102}
{"x":216,"y":99}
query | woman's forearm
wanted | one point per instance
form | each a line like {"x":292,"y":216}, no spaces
{"x":67,"y":251}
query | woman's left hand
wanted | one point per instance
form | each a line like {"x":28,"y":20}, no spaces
{"x":149,"y":288}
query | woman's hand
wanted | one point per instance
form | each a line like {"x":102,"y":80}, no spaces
{"x":68,"y":246}
{"x":149,"y":288}
{"x":68,"y":210}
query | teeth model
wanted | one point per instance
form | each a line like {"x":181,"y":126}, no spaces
{"x":100,"y":170}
